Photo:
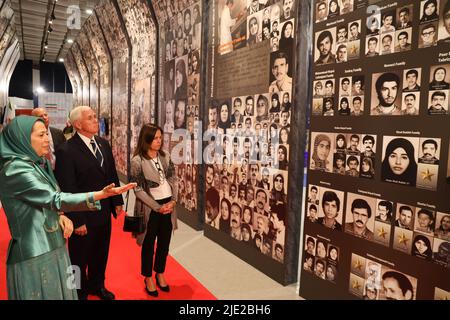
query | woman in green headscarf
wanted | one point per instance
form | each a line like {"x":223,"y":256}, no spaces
{"x":38,"y":266}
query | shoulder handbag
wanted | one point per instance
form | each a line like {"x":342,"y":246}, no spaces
{"x":135,"y":223}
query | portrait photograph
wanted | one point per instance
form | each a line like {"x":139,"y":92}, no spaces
{"x":428,"y":35}
{"x":331,"y":208}
{"x":352,"y":164}
{"x":287,"y":35}
{"x":444,"y":22}
{"x":372,"y":46}
{"x":441,"y":252}
{"x":390,"y":289}
{"x":429,"y":11}
{"x":386,"y":97}
{"x":400,"y":157}
{"x":278,"y":182}
{"x":345,"y":87}
{"x":333,"y":254}
{"x":403,"y":240}
{"x":360,"y":216}
{"x":440,"y":77}
{"x":438,"y":101}
{"x":344,"y":107}
{"x":346,"y":6}
{"x":358,"y":265}
{"x":194,"y":89}
{"x":422,"y":246}
{"x":405,"y":15}
{"x":442,"y":226}
{"x":357,"y":106}
{"x":321,"y":12}
{"x":410,"y":103}
{"x":430,"y":150}
{"x":321,"y":155}
{"x":402,"y":40}
{"x":325,"y":45}
{"x":310,"y":245}
{"x":387,"y":43}
{"x":254,"y":28}
{"x":354,"y":30}
{"x":358,"y":85}
{"x":382,"y":233}
{"x":314,"y":194}
{"x":319,"y":267}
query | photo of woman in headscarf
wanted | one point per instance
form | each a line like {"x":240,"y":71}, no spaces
{"x":224,"y":116}
{"x":422,"y":247}
{"x":438,"y":82}
{"x":367,"y":168}
{"x":429,"y":12}
{"x":399,"y":164}
{"x":278,"y":194}
{"x":341,"y":143}
{"x":180,"y":80}
{"x":320,"y":153}
{"x":287,"y":37}
{"x":334,"y":9}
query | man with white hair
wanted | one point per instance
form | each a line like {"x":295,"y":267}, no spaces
{"x":55,"y":136}
{"x":83,"y":163}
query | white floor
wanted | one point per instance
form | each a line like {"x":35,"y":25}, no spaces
{"x":222,"y":273}
{"x":225,"y":275}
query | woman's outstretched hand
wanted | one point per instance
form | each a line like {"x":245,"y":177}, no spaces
{"x":110,"y":190}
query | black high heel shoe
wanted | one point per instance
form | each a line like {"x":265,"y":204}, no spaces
{"x":165,"y":289}
{"x":150,"y":293}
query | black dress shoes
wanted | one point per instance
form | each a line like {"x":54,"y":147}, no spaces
{"x":103,"y":294}
{"x":165,"y":289}
{"x":150,"y":293}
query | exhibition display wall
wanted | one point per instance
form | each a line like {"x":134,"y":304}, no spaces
{"x":111,"y":66}
{"x":377,"y":211}
{"x":9,"y":50}
{"x":249,"y":113}
{"x":180,"y":96}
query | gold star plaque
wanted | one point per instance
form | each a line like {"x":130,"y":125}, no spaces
{"x":426,"y":175}
{"x":382,"y":233}
{"x":355,"y":284}
{"x":358,"y":264}
{"x":403,"y":239}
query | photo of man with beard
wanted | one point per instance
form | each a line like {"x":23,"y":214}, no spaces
{"x":385,"y":94}
{"x":325,"y":47}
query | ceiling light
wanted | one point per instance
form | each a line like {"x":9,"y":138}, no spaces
{"x":61,"y":60}
{"x":43,"y":59}
{"x":69,"y":41}
{"x":40,"y":90}
{"x":89,"y":11}
{"x":46,"y":47}
{"x":50,"y":21}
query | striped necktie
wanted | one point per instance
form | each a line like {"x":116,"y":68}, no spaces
{"x":97,"y":152}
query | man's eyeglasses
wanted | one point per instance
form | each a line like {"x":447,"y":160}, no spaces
{"x":428,"y":34}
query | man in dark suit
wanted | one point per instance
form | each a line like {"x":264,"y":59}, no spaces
{"x":84,"y":163}
{"x":55,"y":136}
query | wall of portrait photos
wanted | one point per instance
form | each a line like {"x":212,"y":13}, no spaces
{"x":250,"y":106}
{"x":377,"y":212}
{"x":9,"y":50}
{"x":180,"y":52}
{"x":112,"y":68}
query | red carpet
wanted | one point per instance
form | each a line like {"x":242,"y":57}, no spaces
{"x":123,"y":272}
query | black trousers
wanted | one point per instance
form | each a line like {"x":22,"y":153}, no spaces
{"x":159,"y":228}
{"x":90,"y":254}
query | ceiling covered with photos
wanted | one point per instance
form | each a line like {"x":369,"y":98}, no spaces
{"x":35,"y":18}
